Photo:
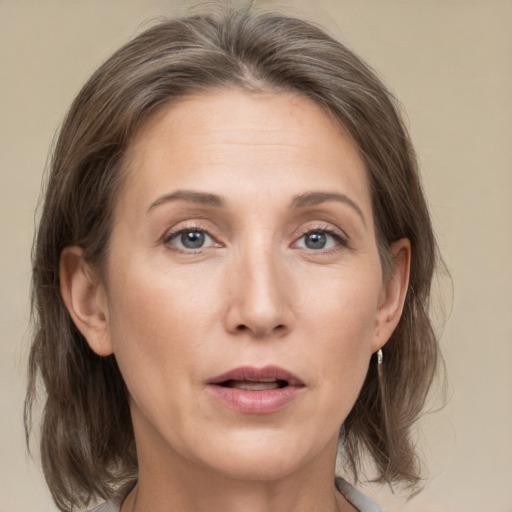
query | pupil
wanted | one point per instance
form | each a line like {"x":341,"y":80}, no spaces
{"x":192,"y":239}
{"x":315,"y":240}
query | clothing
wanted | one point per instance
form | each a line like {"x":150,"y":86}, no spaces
{"x":108,"y":506}
{"x":356,"y":498}
{"x":351,"y":494}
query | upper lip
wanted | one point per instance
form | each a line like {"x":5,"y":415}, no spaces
{"x":264,"y":374}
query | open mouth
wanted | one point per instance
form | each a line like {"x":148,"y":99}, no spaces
{"x":255,"y":391}
{"x":254,"y":385}
{"x":257,"y":379}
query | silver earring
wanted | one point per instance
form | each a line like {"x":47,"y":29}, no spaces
{"x":379,"y":356}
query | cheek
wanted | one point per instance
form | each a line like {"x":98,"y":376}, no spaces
{"x":344,"y":308}
{"x":340,"y":320}
{"x":158,"y":325}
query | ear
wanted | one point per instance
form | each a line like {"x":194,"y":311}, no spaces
{"x":394,"y":291}
{"x":85,"y":299}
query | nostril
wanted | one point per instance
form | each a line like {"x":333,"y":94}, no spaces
{"x":260,"y":331}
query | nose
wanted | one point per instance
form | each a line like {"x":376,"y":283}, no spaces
{"x":260,"y":294}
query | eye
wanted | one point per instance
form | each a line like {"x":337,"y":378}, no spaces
{"x":190,"y":239}
{"x":319,"y":239}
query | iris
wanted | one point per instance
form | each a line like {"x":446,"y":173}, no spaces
{"x":315,"y":240}
{"x":192,"y":239}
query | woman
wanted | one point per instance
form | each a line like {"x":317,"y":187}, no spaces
{"x":231,"y":276}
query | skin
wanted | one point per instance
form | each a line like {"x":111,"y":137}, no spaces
{"x":254,"y":294}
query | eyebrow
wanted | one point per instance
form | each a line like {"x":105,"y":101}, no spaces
{"x":190,"y":196}
{"x":300,"y":201}
{"x":316,"y":198}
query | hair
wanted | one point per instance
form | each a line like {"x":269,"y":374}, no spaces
{"x":87,"y":440}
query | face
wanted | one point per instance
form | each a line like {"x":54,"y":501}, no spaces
{"x":244,"y":294}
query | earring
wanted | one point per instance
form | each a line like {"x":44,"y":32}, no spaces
{"x":379,"y":356}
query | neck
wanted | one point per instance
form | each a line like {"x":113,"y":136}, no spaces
{"x":169,"y":482}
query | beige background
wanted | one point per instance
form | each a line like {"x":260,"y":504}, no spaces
{"x":450,"y":63}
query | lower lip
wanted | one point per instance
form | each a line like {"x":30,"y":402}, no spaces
{"x":255,"y":402}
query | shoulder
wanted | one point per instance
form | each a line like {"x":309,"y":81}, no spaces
{"x":356,"y":498}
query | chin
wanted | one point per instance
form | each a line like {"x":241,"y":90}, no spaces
{"x":265,"y":458}
{"x":258,"y":468}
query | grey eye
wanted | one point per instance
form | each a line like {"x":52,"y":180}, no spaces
{"x":192,"y":239}
{"x":320,"y":239}
{"x":315,"y":240}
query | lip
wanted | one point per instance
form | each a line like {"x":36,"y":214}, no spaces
{"x":251,"y":401}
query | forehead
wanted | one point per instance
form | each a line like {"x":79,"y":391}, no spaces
{"x":271,"y":118}
{"x":224,"y":138}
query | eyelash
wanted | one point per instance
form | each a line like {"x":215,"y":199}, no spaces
{"x":338,"y":237}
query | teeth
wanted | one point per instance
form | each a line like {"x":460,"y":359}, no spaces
{"x":253,"y":385}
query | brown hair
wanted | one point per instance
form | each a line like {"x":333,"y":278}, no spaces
{"x":87,"y":438}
